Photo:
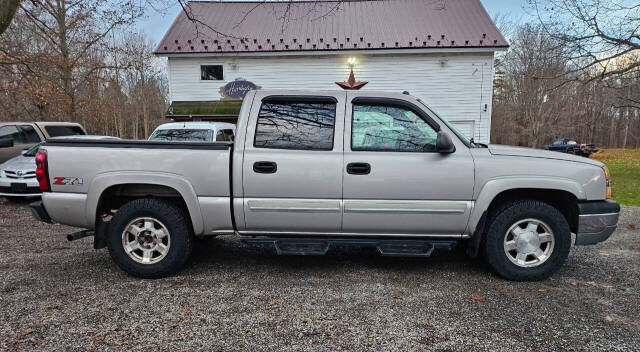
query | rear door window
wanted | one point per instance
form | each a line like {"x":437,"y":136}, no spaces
{"x":228,"y":135}
{"x":30,"y":134}
{"x":296,"y":124}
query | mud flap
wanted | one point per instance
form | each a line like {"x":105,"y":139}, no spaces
{"x":101,"y":233}
{"x":473,"y":245}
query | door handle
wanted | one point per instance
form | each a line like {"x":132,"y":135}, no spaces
{"x":358,"y":168}
{"x":265,"y":167}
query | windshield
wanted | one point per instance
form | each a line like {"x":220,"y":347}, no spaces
{"x":182,"y":135}
{"x":31,"y":152}
{"x":462,"y":137}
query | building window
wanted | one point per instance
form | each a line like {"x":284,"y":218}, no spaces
{"x":390,"y":128}
{"x":296,"y":125}
{"x":211,"y":73}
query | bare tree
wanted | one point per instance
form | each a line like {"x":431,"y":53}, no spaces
{"x":601,"y":36}
{"x":540,"y":97}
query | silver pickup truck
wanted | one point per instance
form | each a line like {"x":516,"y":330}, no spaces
{"x":312,"y":169}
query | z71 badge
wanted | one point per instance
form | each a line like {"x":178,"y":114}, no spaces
{"x":67,"y":181}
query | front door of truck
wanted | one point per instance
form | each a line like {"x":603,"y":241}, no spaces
{"x":395,"y":182}
{"x":292,"y":179}
{"x":23,"y":137}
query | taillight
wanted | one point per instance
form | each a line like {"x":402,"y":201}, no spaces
{"x":42,"y":174}
{"x":607,"y":178}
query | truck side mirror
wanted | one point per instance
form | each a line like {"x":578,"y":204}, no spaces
{"x":6,"y":143}
{"x":444,"y":144}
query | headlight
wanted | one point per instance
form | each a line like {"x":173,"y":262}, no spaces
{"x":607,"y":177}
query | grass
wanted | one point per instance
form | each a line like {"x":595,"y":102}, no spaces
{"x":624,"y":165}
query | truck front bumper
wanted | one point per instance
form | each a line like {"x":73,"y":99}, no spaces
{"x":597,"y":221}
{"x":39,"y":212}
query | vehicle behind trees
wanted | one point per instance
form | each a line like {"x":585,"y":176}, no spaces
{"x":570,"y":146}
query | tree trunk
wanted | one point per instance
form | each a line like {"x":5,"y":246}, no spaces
{"x":63,"y":46}
{"x":7,"y":11}
{"x":627,"y":118}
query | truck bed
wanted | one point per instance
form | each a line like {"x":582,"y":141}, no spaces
{"x":81,"y":170}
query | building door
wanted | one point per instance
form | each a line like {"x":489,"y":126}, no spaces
{"x":467,"y":128}
{"x":292,"y":178}
{"x":394,"y":180}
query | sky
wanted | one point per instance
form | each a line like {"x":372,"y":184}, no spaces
{"x":156,"y":24}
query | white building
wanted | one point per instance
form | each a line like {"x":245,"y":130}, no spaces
{"x":441,"y":52}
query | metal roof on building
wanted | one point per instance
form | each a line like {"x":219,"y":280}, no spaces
{"x":285,"y":26}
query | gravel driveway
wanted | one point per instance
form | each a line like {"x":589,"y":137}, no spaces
{"x":57,"y":295}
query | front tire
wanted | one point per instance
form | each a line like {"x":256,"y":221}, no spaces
{"x":150,"y":238}
{"x":527,"y":241}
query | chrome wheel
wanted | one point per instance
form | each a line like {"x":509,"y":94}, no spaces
{"x":146,"y":240}
{"x":529,"y":243}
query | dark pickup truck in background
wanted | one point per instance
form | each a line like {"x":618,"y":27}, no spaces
{"x":570,"y":146}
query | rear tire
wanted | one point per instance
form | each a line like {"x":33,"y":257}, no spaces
{"x":527,"y":241}
{"x":150,"y":238}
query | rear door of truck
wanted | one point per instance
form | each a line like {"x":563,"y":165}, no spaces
{"x":292,"y":169}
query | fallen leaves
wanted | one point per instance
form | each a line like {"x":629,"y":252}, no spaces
{"x":184,"y":311}
{"x":542,"y":290}
{"x":575,"y":284}
{"x":25,"y":333}
{"x":479,"y":298}
{"x":632,"y":226}
{"x":272,"y":303}
{"x":608,"y":319}
{"x":46,"y":318}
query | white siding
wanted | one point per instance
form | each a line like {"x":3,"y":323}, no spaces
{"x":457,"y":86}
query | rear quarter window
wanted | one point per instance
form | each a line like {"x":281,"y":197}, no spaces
{"x":58,"y":131}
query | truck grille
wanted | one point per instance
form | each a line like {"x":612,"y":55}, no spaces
{"x":15,"y":174}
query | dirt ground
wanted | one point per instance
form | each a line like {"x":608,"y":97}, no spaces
{"x":59,"y":295}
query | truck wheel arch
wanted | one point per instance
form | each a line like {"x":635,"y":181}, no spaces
{"x":154,"y":184}
{"x":540,"y":188}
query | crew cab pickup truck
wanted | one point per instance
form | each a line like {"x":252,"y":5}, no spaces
{"x":312,"y":169}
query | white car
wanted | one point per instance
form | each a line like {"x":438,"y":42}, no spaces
{"x":18,"y":175}
{"x":194,"y":132}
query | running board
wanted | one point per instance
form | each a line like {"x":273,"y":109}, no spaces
{"x":320,"y":246}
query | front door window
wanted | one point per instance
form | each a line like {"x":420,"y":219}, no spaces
{"x":390,"y":128}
